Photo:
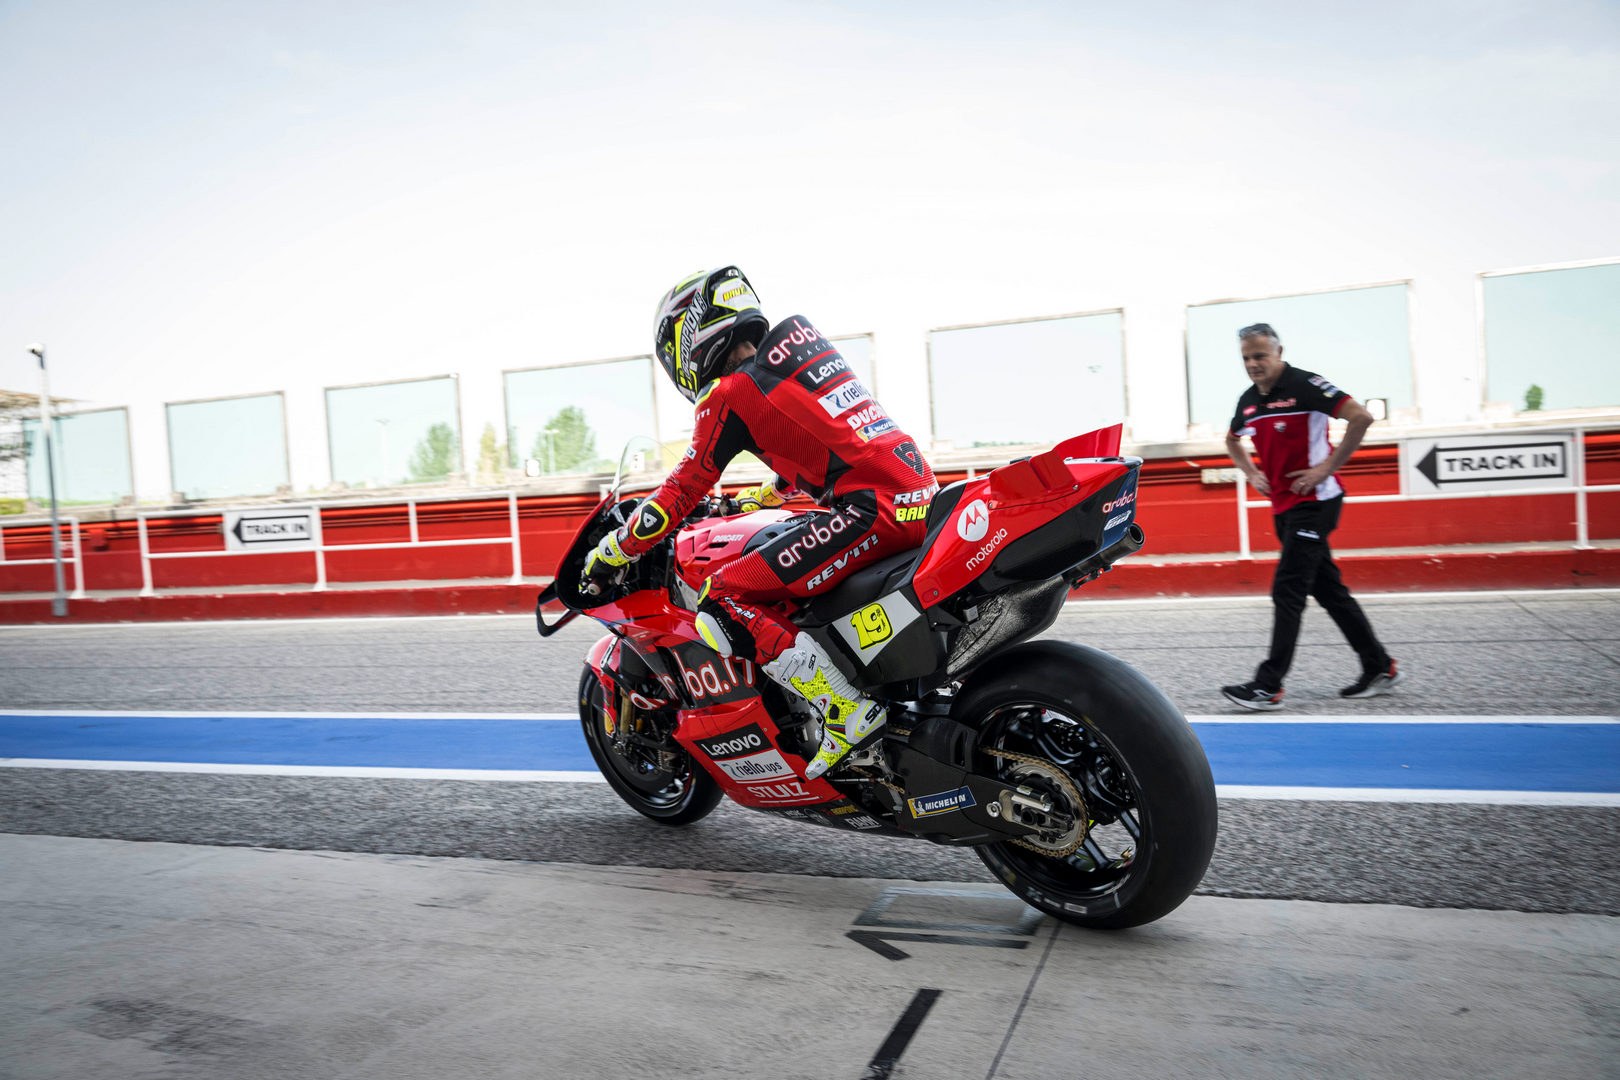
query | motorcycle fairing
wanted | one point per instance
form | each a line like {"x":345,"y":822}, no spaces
{"x":711,"y":679}
{"x":842,"y":814}
{"x":720,"y":738}
{"x":704,"y":548}
{"x":628,"y":673}
{"x":993,"y":512}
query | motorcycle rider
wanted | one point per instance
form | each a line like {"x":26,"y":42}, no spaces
{"x":784,"y":394}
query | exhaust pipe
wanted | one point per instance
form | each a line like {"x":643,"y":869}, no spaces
{"x":1103,"y":561}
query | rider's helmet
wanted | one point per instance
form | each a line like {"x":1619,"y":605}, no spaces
{"x":699,"y":321}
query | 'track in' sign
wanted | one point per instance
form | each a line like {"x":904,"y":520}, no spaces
{"x":1466,"y":463}
{"x":270,"y":529}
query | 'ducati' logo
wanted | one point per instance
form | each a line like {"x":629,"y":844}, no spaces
{"x":973,"y":522}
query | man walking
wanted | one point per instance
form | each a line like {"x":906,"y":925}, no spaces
{"x":1286,"y":413}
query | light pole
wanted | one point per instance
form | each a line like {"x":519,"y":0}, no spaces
{"x":59,"y":601}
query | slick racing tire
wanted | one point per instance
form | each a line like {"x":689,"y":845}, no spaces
{"x":669,"y":798}
{"x":1048,"y":708}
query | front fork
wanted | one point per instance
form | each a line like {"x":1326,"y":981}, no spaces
{"x":628,"y":707}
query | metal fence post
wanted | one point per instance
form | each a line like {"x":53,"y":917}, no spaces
{"x":517,"y":540}
{"x":78,"y":563}
{"x":1582,"y":539}
{"x":1243,"y":517}
{"x":146,"y":556}
{"x":320,"y":553}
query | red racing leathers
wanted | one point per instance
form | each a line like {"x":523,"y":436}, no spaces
{"x":796,"y":405}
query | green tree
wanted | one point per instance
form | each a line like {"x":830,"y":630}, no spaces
{"x":435,"y":456}
{"x":1532,"y":398}
{"x":491,"y":455}
{"x":566,"y":443}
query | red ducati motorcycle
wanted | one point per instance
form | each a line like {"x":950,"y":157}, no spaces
{"x":1075,"y":780}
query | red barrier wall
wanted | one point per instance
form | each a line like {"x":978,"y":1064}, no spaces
{"x":1180,"y":514}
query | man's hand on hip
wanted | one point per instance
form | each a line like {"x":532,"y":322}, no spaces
{"x":1304,"y":480}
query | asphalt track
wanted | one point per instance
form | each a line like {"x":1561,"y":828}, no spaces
{"x":1476,"y":656}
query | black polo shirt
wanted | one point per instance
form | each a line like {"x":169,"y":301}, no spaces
{"x":1289,"y":428}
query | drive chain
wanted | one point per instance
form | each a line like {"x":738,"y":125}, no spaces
{"x":1063,"y":779}
{"x":1069,"y":789}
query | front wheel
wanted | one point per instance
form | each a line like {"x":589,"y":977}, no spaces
{"x":1127,"y":774}
{"x":677,"y":797}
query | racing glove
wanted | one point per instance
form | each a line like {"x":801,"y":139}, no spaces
{"x":763,"y":497}
{"x":601,"y":563}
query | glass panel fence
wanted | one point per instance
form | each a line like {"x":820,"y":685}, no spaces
{"x":857,"y":352}
{"x":91,"y":453}
{"x":387,"y":434}
{"x":575,"y":419}
{"x":1036,"y":381}
{"x":1356,"y":338}
{"x":227,"y":446}
{"x":1552,"y":338}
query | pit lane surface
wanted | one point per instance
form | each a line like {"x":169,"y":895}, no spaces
{"x":197,"y":963}
{"x":699,"y":952}
{"x":1542,"y":654}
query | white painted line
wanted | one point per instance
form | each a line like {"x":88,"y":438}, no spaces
{"x":553,"y":776}
{"x":528,"y":776}
{"x":321,"y":620}
{"x":1265,"y":599}
{"x":182,"y":714}
{"x":1222,"y":718}
{"x":1227,"y":718}
{"x":1420,"y":795}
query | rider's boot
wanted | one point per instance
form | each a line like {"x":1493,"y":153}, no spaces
{"x":848,"y":717}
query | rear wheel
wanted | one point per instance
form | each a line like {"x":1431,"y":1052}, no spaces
{"x":669,"y":796}
{"x":1125,"y":773}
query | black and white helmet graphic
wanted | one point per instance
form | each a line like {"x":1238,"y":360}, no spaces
{"x":699,"y":321}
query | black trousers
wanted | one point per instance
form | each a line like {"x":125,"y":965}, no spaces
{"x":1306,"y":569}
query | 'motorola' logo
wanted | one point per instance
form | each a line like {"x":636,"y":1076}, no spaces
{"x":973,"y":522}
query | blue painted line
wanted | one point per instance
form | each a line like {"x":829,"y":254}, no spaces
{"x":383,"y":741}
{"x":1458,"y":756}
{"x":1472,"y":757}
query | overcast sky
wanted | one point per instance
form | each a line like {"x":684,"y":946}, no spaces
{"x":216,"y":198}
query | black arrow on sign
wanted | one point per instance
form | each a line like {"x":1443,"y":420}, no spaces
{"x":270,"y":539}
{"x":1427,"y":465}
{"x":1429,"y":468}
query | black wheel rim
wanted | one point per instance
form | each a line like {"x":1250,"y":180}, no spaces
{"x":1115,"y":851}
{"x":657,"y":790}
